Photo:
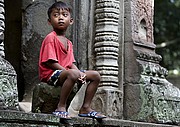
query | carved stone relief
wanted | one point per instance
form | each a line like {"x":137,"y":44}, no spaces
{"x":161,"y":100}
{"x":142,"y":19}
{"x":154,"y":98}
{"x":8,"y":86}
{"x":8,"y":81}
{"x":109,"y":101}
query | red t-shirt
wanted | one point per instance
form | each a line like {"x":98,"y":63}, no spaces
{"x":53,"y":49}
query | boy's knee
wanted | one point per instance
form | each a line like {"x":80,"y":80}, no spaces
{"x":73,"y":74}
{"x":96,"y":75}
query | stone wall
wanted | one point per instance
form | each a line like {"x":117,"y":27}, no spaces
{"x":35,"y":27}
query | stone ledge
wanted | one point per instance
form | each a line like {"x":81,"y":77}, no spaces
{"x":18,"y":119}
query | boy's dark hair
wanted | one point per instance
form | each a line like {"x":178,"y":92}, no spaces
{"x":59,"y":5}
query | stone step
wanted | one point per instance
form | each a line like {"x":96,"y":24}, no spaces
{"x":22,"y":119}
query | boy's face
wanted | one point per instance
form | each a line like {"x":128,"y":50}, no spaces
{"x":60,"y":19}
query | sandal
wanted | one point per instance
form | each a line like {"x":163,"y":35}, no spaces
{"x":62,"y":115}
{"x":92,"y":114}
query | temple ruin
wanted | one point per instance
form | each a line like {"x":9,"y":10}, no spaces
{"x":114,"y":37}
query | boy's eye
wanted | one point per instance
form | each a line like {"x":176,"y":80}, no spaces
{"x":56,"y":15}
{"x":65,"y":14}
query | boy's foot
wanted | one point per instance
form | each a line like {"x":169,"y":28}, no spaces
{"x":92,"y":114}
{"x":62,"y":115}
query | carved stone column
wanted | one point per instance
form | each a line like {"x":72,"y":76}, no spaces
{"x":106,"y":47}
{"x":2,"y":26}
{"x":8,"y":82}
{"x":148,"y":96}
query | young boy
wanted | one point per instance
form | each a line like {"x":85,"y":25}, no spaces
{"x":56,"y":64}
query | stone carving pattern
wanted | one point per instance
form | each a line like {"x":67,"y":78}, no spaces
{"x":2,"y":27}
{"x":8,"y":86}
{"x":106,"y":40}
{"x":116,"y":104}
{"x":112,"y":107}
{"x":161,"y":101}
{"x":142,"y":21}
{"x":148,"y":56}
{"x":152,"y":66}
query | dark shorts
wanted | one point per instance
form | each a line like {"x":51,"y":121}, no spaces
{"x":55,"y":76}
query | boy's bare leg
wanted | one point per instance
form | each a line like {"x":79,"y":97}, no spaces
{"x":67,"y":81}
{"x":91,"y":89}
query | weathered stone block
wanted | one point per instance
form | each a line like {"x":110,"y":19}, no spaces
{"x":154,"y":100}
{"x":109,"y":101}
{"x":45,"y":98}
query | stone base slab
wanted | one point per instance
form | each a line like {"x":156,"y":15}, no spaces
{"x":21,"y":119}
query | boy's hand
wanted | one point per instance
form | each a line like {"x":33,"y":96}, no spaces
{"x":82,"y":79}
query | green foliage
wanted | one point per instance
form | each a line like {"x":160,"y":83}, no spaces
{"x":167,"y":32}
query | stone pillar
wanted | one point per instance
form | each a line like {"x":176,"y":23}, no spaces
{"x":106,"y":47}
{"x":8,"y":81}
{"x":2,"y":26}
{"x":148,"y":96}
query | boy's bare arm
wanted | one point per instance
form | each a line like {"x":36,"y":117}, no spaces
{"x":54,"y":65}
{"x":74,"y":67}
